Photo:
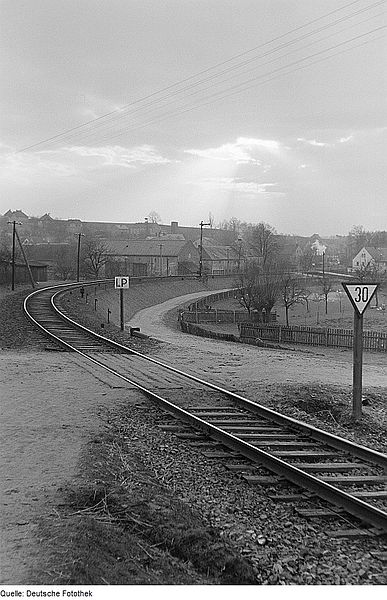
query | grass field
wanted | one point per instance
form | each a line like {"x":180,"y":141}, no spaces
{"x":340,"y":311}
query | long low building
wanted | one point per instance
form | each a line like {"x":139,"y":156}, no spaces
{"x":151,"y":257}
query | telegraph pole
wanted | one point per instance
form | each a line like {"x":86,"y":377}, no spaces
{"x":201,"y":247}
{"x":13,"y":223}
{"x":79,"y":252}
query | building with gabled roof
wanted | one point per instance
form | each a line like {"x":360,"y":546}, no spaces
{"x":370,"y":257}
{"x":159,"y":256}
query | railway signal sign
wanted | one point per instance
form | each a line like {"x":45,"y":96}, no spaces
{"x":360,"y":294}
{"x":121,"y":283}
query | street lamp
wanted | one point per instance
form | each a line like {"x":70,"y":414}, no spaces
{"x":201,"y":247}
{"x":13,"y":223}
{"x":240,"y":241}
{"x":79,"y":251}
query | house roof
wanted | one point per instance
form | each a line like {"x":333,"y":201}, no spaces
{"x":219,"y":253}
{"x":15,"y":214}
{"x":145,"y":247}
{"x":378,"y":254}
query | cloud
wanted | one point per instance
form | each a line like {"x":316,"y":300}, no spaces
{"x":117,"y":156}
{"x":242,"y":151}
{"x":341,"y":140}
{"x":240,"y":186}
{"x":24,"y":168}
{"x":314,"y":142}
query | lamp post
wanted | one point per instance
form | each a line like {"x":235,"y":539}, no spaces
{"x":239,"y":254}
{"x":79,"y":252}
{"x":201,"y":247}
{"x":13,"y":223}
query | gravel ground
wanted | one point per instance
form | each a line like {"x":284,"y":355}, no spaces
{"x":280,"y":547}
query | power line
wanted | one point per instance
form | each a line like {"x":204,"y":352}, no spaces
{"x":238,"y":91}
{"x":117,"y":114}
{"x":120,"y":117}
{"x":92,"y":132}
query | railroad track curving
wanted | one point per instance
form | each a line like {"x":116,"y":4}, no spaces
{"x":248,"y":436}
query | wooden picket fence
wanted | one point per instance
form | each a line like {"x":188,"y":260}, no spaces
{"x":311,"y":336}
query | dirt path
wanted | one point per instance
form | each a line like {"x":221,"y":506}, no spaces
{"x":231,"y":363}
{"x":50,"y":406}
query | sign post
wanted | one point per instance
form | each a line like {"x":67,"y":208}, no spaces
{"x":360,"y":295}
{"x":122,"y":283}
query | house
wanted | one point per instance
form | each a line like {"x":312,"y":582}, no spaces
{"x":15,"y":215}
{"x":374,"y":258}
{"x":38,"y":271}
{"x":218,"y":259}
{"x":140,"y":258}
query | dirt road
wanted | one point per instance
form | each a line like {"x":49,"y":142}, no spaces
{"x":232,"y":363}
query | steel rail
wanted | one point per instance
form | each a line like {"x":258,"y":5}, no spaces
{"x":353,"y":505}
{"x":315,"y":433}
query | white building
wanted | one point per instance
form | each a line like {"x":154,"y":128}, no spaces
{"x":372,"y":258}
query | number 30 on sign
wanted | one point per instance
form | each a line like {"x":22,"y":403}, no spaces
{"x":360,"y":294}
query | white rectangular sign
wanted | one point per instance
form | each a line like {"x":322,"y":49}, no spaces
{"x":121,"y":283}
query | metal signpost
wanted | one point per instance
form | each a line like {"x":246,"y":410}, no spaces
{"x":122,"y":283}
{"x":360,"y":295}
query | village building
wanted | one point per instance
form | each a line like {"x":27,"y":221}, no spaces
{"x":154,"y":257}
{"x":370,"y":257}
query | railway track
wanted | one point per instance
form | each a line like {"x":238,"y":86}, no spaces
{"x":248,"y":436}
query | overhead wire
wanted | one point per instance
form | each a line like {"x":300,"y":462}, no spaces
{"x":87,"y":135}
{"x":118,"y":115}
{"x":209,"y":102}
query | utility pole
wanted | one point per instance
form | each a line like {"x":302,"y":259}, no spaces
{"x":13,"y":223}
{"x":79,"y":252}
{"x":201,"y":247}
{"x":240,"y":241}
{"x":161,"y":260}
{"x":25,"y":259}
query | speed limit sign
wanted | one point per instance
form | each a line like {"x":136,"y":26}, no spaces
{"x":360,"y":294}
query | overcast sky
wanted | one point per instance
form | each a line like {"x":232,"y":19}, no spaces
{"x":278,"y":114}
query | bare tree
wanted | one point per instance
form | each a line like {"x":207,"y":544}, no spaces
{"x":308,"y":258}
{"x":65,"y":259}
{"x":370,"y":274}
{"x":95,"y":256}
{"x":260,"y":287}
{"x":326,"y":287}
{"x":245,"y":284}
{"x":263,"y":236}
{"x":154,"y":217}
{"x":291,"y":293}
